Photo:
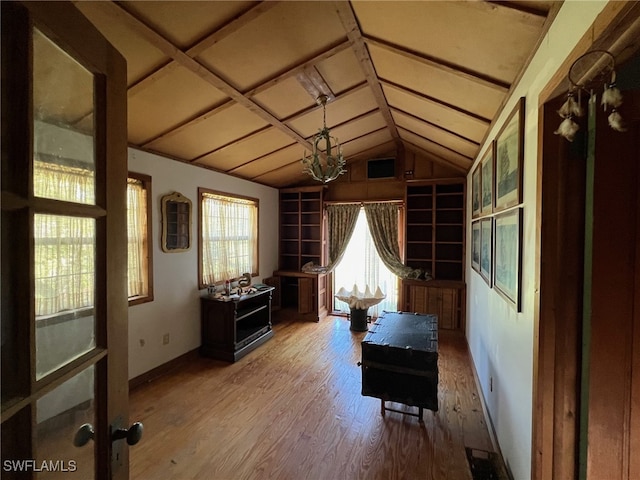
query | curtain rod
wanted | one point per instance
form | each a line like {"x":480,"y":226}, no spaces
{"x":338,"y":202}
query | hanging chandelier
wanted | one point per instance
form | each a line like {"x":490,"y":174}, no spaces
{"x":325,"y":163}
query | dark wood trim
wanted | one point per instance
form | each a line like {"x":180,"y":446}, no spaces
{"x":163,"y":369}
{"x":558,"y":306}
{"x":256,"y":202}
{"x":146,"y":184}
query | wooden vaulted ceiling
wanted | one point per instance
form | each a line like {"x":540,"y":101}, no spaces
{"x":232,"y":86}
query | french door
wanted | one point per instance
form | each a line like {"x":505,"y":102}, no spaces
{"x":64,"y":247}
{"x":361,"y":266}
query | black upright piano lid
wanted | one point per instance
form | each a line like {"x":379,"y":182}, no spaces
{"x":405,"y":330}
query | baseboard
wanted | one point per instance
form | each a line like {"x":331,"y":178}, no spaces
{"x":163,"y":369}
{"x":485,"y":411}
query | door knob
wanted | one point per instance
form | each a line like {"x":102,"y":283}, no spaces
{"x":133,"y":434}
{"x":83,"y":435}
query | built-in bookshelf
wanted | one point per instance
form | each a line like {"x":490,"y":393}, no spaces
{"x":300,"y":227}
{"x":435,"y":229}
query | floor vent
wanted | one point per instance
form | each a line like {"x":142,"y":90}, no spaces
{"x":482,"y":464}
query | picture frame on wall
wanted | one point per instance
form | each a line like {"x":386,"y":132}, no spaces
{"x":486,"y":249}
{"x":475,"y":193}
{"x":486,"y":182}
{"x":509,"y":155}
{"x":475,"y":245}
{"x":507,"y":256}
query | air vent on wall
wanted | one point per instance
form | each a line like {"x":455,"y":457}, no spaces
{"x":381,"y":168}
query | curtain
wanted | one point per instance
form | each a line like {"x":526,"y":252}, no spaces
{"x":341,"y":221}
{"x":382,"y":219}
{"x":64,"y":247}
{"x":229,"y":237}
{"x":137,"y":235}
{"x":361,"y":265}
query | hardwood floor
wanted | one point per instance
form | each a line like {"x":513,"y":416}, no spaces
{"x":292,"y":409}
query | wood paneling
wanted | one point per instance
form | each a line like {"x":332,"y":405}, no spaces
{"x":187,"y":59}
{"x":613,"y":290}
{"x":293,"y":409}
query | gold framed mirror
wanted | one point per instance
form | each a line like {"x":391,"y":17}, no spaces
{"x":176,"y":223}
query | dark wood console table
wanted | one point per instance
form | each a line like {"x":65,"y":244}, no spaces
{"x":400,"y":361}
{"x":235,"y":327}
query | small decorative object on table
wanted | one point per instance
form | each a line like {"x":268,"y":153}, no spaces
{"x":244,"y":280}
{"x":359,"y":304}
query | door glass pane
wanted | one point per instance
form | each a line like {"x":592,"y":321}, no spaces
{"x":63,"y":130}
{"x":60,"y":413}
{"x":64,"y":270}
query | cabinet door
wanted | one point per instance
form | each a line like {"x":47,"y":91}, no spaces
{"x":448,"y":317}
{"x":434,"y":303}
{"x":274,"y":282}
{"x":417,"y":299}
{"x":305,"y":295}
{"x":440,"y":301}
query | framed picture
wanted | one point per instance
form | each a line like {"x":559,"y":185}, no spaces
{"x":475,"y":245}
{"x":475,"y":192}
{"x":508,"y":255}
{"x":486,"y":249}
{"x":486,"y":183}
{"x":509,"y":146}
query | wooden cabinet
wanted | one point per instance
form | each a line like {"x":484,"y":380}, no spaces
{"x":434,"y":239}
{"x":301,"y":241}
{"x":231,"y":329}
{"x":301,"y":232}
{"x":446,"y":299}
{"x":435,"y":229}
{"x":306,"y":293}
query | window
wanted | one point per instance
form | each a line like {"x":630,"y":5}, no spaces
{"x":64,"y":260}
{"x":139,"y":267}
{"x":228,"y":232}
{"x":361,"y":265}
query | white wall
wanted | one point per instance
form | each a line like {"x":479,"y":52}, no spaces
{"x":176,"y":308}
{"x":500,"y":339}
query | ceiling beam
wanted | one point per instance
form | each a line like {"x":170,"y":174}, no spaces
{"x":247,"y":137}
{"x":354,"y":34}
{"x":531,"y":14}
{"x":439,"y":127}
{"x":439,"y":145}
{"x":309,"y":62}
{"x":200,"y":117}
{"x":435,"y":158}
{"x":478,"y":118}
{"x":233,"y":26}
{"x":344,"y":94}
{"x":368,"y":151}
{"x":351,"y":156}
{"x":440,"y":64}
{"x":172,"y":51}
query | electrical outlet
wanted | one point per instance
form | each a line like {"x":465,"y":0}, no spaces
{"x":165,"y":339}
